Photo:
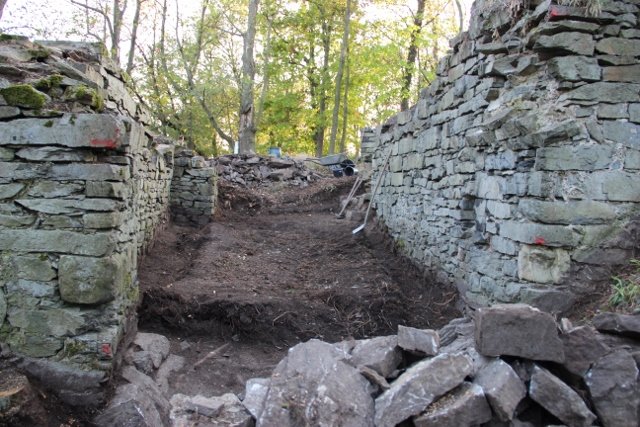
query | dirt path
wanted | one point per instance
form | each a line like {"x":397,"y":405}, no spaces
{"x":275,"y":269}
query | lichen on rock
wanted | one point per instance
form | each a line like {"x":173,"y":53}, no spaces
{"x":24,"y":95}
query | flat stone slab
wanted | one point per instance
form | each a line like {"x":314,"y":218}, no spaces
{"x":419,"y":386}
{"x":559,"y":399}
{"x":381,"y":354}
{"x":517,"y":330}
{"x":255,"y":393}
{"x":621,"y":324}
{"x":582,"y":347}
{"x":464,"y":406}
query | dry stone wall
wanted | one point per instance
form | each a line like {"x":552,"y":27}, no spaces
{"x":193,"y":191}
{"x":516,"y":175}
{"x":83,"y":189}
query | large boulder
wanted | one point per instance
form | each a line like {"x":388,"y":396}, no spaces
{"x":518,"y":330}
{"x":502,"y":387}
{"x":582,"y":347}
{"x":314,"y":385}
{"x":420,"y":385}
{"x":614,"y":389}
{"x":421,"y":341}
{"x":464,"y":406}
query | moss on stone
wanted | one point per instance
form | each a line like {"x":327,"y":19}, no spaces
{"x":24,"y":95}
{"x":49,"y":82}
{"x":85,"y":95}
{"x":39,"y":53}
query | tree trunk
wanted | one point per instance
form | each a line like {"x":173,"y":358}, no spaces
{"x":265,"y":74}
{"x":134,"y":36}
{"x":3,"y":3}
{"x":119,"y":8}
{"x":411,"y":56}
{"x":247,"y":129}
{"x":338,"y":92}
{"x":460,"y":16}
{"x":318,"y":136}
{"x":345,"y":107}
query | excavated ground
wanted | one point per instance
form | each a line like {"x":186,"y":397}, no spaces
{"x":274,"y":269}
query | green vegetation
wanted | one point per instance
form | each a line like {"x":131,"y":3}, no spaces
{"x":85,"y":95}
{"x":24,"y":95}
{"x":625,"y":290}
{"x":40,"y":53}
{"x":48,"y":83}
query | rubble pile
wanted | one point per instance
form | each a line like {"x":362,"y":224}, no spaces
{"x":252,"y":171}
{"x":512,"y":365}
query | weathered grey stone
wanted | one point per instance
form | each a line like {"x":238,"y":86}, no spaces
{"x":7,"y":112}
{"x":622,"y":73}
{"x":542,"y":265}
{"x":255,"y":393}
{"x":86,"y":280}
{"x":52,"y":189}
{"x":313,"y":385}
{"x":68,"y":206}
{"x":380,"y":354}
{"x":141,"y":360}
{"x":173,"y":363}
{"x":577,"y":157}
{"x":156,"y":345}
{"x":621,"y":187}
{"x":575,"y":68}
{"x":609,"y":91}
{"x":419,"y":386}
{"x":7,"y":191}
{"x":75,"y":387}
{"x":6,"y":154}
{"x":559,"y":399}
{"x":99,"y":221}
{"x":424,"y":341}
{"x":517,"y":330}
{"x":540,"y":234}
{"x":502,"y":388}
{"x":131,"y":406}
{"x":98,"y":244}
{"x":3,"y":307}
{"x":50,"y":322}
{"x":571,"y":212}
{"x":619,"y":46}
{"x":616,"y":323}
{"x":625,"y":133}
{"x":52,"y":154}
{"x":220,"y":411}
{"x":116,"y":190}
{"x":612,"y":111}
{"x":567,"y":42}
{"x":582,"y":347}
{"x":614,"y":390}
{"x":94,"y":171}
{"x":634,"y":113}
{"x":464,"y":406}
{"x":78,"y":130}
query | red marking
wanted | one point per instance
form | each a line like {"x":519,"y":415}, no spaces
{"x":539,"y":240}
{"x":105,"y":349}
{"x":104,"y":143}
{"x":554,"y":12}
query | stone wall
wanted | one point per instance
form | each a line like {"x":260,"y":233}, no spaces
{"x":516,"y":175}
{"x":193,"y":191}
{"x":83,"y":189}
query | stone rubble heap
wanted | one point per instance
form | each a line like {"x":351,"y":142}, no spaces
{"x":257,"y":171}
{"x":511,"y":366}
{"x":516,"y":175}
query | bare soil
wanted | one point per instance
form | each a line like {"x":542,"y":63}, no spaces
{"x":274,"y":269}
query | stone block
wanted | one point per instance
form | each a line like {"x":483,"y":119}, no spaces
{"x":567,"y":42}
{"x":618,"y":46}
{"x":559,"y":399}
{"x":612,"y":111}
{"x":33,"y":267}
{"x":619,"y":324}
{"x":414,"y":390}
{"x":622,"y":73}
{"x":634,"y":113}
{"x":8,"y":191}
{"x":571,"y":212}
{"x":3,"y":307}
{"x":543,"y":265}
{"x":115,"y":190}
{"x":68,"y":206}
{"x":620,"y":187}
{"x":464,"y":406}
{"x":504,"y":246}
{"x":46,"y":322}
{"x":517,"y":330}
{"x":614,"y":388}
{"x":381,"y":354}
{"x":540,"y":234}
{"x":52,"y":154}
{"x":6,"y":154}
{"x":606,"y":92}
{"x":575,"y":68}
{"x":86,"y":280}
{"x":422,"y":341}
{"x":625,"y":133}
{"x":577,"y":157}
{"x":65,"y":242}
{"x":502,"y":387}
{"x":255,"y":392}
{"x":52,"y":189}
{"x":582,"y":347}
{"x":75,"y":131}
{"x":93,"y":172}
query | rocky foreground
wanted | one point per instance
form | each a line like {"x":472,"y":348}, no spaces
{"x":512,"y":365}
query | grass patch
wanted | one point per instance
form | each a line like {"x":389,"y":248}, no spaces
{"x":625,"y":290}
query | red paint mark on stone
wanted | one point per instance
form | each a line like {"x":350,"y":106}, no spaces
{"x":554,"y":12}
{"x":104,"y":143}
{"x":105,"y":349}
{"x":539,"y":240}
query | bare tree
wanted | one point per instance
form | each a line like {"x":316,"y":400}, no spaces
{"x":247,"y":129}
{"x":134,"y":36}
{"x":343,"y":56}
{"x":113,"y":23}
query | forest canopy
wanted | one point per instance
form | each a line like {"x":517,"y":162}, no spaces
{"x":302,"y":75}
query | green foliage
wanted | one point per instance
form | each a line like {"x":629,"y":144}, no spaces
{"x":625,"y":292}
{"x":49,"y":82}
{"x":24,"y":95}
{"x":85,"y":95}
